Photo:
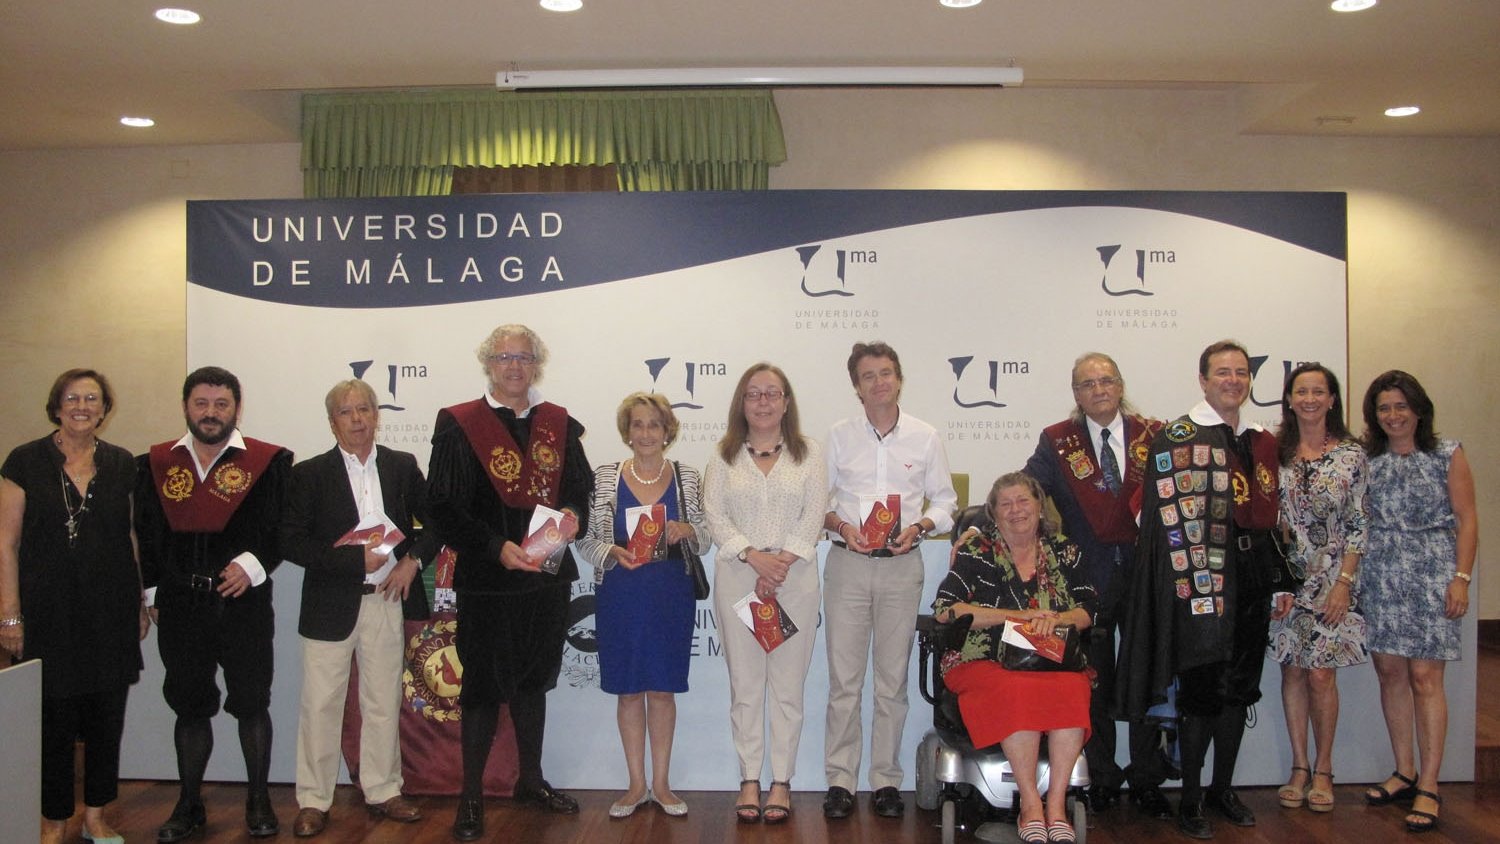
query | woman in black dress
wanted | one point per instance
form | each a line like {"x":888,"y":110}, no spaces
{"x":70,"y":594}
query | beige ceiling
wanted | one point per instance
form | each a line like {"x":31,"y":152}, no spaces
{"x":71,"y":69}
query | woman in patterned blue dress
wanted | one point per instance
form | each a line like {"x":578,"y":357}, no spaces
{"x":1322,"y":481}
{"x":1419,"y":560}
{"x":644,"y":611}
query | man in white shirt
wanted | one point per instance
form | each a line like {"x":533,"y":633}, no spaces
{"x":872,"y":587}
{"x":352,"y":601}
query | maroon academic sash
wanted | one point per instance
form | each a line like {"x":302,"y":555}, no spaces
{"x":1256,"y":502}
{"x":206,"y":507}
{"x":1110,"y":516}
{"x":521,"y":480}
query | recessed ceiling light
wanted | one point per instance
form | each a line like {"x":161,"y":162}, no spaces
{"x":179,"y":16}
{"x":562,"y":5}
{"x":1351,"y":5}
{"x":960,"y":4}
{"x":1401,"y":111}
{"x":138,"y":122}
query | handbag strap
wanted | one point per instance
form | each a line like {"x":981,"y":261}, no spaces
{"x":682,"y":514}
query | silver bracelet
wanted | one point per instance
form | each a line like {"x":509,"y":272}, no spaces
{"x":1464,"y":576}
{"x":13,"y":621}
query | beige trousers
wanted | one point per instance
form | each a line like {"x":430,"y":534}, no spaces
{"x":766,"y":688}
{"x":869,"y":604}
{"x":377,"y":643}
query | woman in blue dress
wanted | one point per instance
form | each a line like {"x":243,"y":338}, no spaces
{"x":644,"y":611}
{"x":1419,"y":560}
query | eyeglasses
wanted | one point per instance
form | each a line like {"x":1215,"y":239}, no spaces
{"x":523,"y":358}
{"x":74,"y":398}
{"x":753,"y":396}
{"x":1090,"y":384}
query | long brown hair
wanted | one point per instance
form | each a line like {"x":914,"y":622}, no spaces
{"x":738,"y":429}
{"x":1289,"y":432}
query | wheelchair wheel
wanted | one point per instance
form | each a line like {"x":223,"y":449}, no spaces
{"x":1080,"y":821}
{"x":929,"y":791}
{"x":950,"y":821}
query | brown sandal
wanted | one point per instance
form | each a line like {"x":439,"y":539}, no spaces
{"x":749,"y":812}
{"x":775,"y":813}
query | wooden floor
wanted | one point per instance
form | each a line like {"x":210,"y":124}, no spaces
{"x":1470,"y":812}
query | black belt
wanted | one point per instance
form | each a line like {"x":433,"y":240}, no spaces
{"x":201,"y":582}
{"x":878,"y":553}
{"x":368,"y":589}
{"x":1254,"y":538}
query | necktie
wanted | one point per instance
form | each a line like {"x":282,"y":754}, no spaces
{"x":1108,"y":463}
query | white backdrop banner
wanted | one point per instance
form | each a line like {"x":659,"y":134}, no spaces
{"x":987,"y":296}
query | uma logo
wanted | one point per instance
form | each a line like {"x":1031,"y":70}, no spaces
{"x":395,"y":373}
{"x":1136,"y":285}
{"x":997,"y":368}
{"x":1273,"y":386}
{"x":690,"y":373}
{"x":842,"y":259}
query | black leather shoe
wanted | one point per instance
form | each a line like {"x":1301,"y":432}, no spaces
{"x":888,"y":802}
{"x":1151,"y":802}
{"x":838,"y":803}
{"x":1103,"y":797}
{"x":1192,"y":823}
{"x":468,"y":824}
{"x":545,"y":796}
{"x":1228,"y":804}
{"x":186,"y":819}
{"x":259,"y":817}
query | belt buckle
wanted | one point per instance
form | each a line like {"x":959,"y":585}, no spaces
{"x":1243,"y":541}
{"x":200,"y":583}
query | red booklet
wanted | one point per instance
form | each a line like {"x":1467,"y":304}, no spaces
{"x":880,"y":520}
{"x":1050,"y":647}
{"x":545,"y":540}
{"x":767,"y":620}
{"x":382,"y":538}
{"x":647,"y":528}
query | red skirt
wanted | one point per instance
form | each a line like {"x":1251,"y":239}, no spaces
{"x":996,"y":702}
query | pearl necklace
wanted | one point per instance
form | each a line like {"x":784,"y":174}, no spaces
{"x":642,"y":481}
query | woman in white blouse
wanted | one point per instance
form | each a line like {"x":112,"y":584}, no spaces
{"x":765,"y":494}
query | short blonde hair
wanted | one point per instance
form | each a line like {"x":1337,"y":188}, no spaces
{"x":654,"y":401}
{"x":343,"y":388}
{"x":538,"y":348}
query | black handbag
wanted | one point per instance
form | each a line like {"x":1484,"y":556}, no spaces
{"x":694,"y":562}
{"x":1015,"y":658}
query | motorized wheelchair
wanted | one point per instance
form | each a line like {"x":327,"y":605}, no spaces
{"x":973,"y":787}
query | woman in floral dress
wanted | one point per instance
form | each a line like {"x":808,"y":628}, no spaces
{"x":1323,"y":476}
{"x":1419,"y":560}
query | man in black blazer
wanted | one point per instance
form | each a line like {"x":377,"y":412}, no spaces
{"x":346,"y":507}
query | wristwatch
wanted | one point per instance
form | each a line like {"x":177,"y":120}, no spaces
{"x":744,"y":555}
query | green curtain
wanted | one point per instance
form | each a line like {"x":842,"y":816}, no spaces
{"x":407,"y":143}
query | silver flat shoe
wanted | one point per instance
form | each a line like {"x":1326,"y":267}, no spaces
{"x":676,"y":810}
{"x":625,"y":810}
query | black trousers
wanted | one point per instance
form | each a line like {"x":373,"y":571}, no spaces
{"x":511,"y":649}
{"x":98,"y":719}
{"x":198,"y":634}
{"x":1147,"y":766}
